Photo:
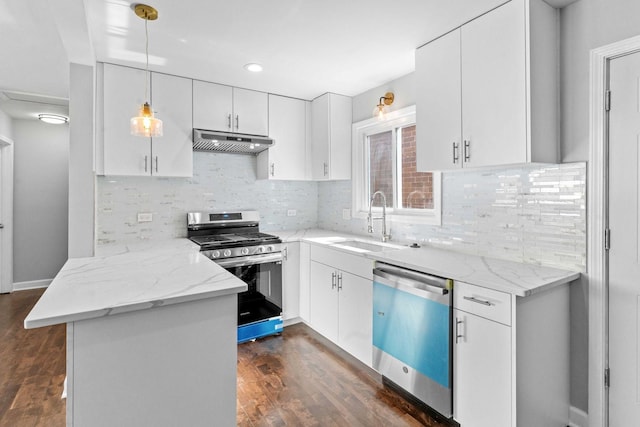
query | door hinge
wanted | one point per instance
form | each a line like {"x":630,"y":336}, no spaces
{"x":607,"y":239}
{"x":607,"y":101}
{"x":607,"y":377}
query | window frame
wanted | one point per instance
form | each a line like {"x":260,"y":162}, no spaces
{"x":360,"y":171}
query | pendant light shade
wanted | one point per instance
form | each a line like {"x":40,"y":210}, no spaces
{"x":145,"y":124}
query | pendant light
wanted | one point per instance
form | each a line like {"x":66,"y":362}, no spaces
{"x":145,"y":124}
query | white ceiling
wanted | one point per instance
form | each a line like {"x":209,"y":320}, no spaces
{"x":306,"y":47}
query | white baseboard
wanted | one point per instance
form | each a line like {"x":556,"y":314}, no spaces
{"x":33,"y":284}
{"x":292,"y":321}
{"x":578,"y":418}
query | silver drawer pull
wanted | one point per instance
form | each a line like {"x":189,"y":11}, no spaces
{"x":479,"y":301}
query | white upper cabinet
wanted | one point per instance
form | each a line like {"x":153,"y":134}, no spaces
{"x":229,"y":109}
{"x":172,"y":154}
{"x":496,"y":103}
{"x":288,"y":128}
{"x":120,"y":153}
{"x":331,"y":118}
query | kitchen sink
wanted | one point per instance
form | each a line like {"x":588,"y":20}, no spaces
{"x":364,"y":246}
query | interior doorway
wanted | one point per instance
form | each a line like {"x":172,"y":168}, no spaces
{"x":6,"y":214}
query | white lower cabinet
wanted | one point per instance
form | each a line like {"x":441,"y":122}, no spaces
{"x":482,"y":379}
{"x":511,"y":358}
{"x":341,"y":302}
{"x":291,"y":281}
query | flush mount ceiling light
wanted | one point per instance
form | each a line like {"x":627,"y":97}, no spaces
{"x":145,"y":124}
{"x":381,"y":109}
{"x":253,"y":67}
{"x":54,"y":119}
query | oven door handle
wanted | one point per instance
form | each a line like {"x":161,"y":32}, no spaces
{"x":249,"y":260}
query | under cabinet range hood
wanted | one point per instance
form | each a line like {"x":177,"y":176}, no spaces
{"x":223,"y":142}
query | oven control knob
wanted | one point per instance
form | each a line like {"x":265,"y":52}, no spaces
{"x":270,"y":248}
{"x":226,"y":252}
{"x":215,"y":254}
{"x":260,"y":249}
{"x":244,"y":251}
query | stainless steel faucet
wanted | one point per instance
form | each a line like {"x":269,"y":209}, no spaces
{"x":370,"y":218}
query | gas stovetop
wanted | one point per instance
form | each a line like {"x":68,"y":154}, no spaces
{"x":227,"y":240}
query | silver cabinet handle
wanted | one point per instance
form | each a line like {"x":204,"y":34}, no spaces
{"x":333,"y":280}
{"x":340,"y":281}
{"x":229,"y":121}
{"x":478,"y":301}
{"x":455,"y":153}
{"x":285,"y":253}
{"x":325,"y":168}
{"x":156,"y":163}
{"x":458,"y":334}
{"x":145,"y":163}
{"x":237,"y":121}
{"x":273,"y":168}
{"x":467,"y":150}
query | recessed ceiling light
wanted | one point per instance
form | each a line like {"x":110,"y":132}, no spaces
{"x":253,"y":67}
{"x":54,"y":119}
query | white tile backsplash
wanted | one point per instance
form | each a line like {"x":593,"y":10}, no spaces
{"x":534,"y":214}
{"x":220,"y":182}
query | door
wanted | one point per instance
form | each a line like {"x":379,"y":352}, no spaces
{"x":172,"y":153}
{"x":438,"y":104}
{"x":494,"y":87}
{"x":250,"y":112}
{"x":355,"y":318}
{"x":6,"y":215}
{"x":287,"y":126}
{"x":323,"y":297}
{"x":320,"y":137}
{"x":624,"y":255}
{"x":212,"y":106}
{"x":291,"y":281}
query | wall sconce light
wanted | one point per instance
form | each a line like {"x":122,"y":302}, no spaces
{"x":381,"y":109}
{"x":145,"y":124}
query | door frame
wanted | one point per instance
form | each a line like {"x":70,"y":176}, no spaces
{"x":6,"y":278}
{"x":597,"y":221}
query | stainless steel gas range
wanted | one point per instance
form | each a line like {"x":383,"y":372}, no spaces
{"x":233,"y":240}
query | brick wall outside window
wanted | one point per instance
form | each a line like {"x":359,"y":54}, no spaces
{"x":381,"y":166}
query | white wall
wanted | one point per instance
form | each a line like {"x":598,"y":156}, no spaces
{"x":403,"y":89}
{"x":585,"y":25}
{"x":5,"y":125}
{"x":40,"y":210}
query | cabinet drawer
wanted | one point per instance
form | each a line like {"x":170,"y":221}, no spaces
{"x":487,"y":303}
{"x":354,"y":264}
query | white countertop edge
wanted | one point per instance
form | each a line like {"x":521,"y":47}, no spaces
{"x":136,"y":306}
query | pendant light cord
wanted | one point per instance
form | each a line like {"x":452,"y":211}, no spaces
{"x":146,"y":50}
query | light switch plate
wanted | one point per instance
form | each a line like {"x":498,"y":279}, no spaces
{"x":346,"y":213}
{"x":291,"y":212}
{"x":145,"y":217}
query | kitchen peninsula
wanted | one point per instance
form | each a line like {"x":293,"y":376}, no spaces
{"x":151,"y":336}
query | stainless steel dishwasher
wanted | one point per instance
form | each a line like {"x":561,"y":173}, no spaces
{"x":412,"y":321}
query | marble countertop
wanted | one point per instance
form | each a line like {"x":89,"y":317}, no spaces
{"x":507,"y":276}
{"x":124,"y":278}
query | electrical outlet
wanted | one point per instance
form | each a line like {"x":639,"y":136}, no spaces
{"x":346,"y":213}
{"x":145,"y":217}
{"x":291,"y":212}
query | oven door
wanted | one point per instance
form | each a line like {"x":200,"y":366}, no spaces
{"x":263,"y":276}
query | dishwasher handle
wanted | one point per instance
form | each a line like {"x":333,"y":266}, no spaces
{"x":415,"y":280}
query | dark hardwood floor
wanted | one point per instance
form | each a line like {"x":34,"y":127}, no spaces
{"x":296,"y":379}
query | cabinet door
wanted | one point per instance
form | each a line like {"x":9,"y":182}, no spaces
{"x":323,"y":300}
{"x":494,"y":87}
{"x":172,"y":154}
{"x":355,"y":316}
{"x":320,"y":137}
{"x":287,"y":126}
{"x":212,"y":106}
{"x":340,"y":136}
{"x":124,"y":154}
{"x":305,"y":285}
{"x":482,"y":372}
{"x":250,"y":112}
{"x":291,"y":281}
{"x":438,"y":104}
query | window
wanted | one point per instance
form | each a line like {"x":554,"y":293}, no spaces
{"x":385,"y":161}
